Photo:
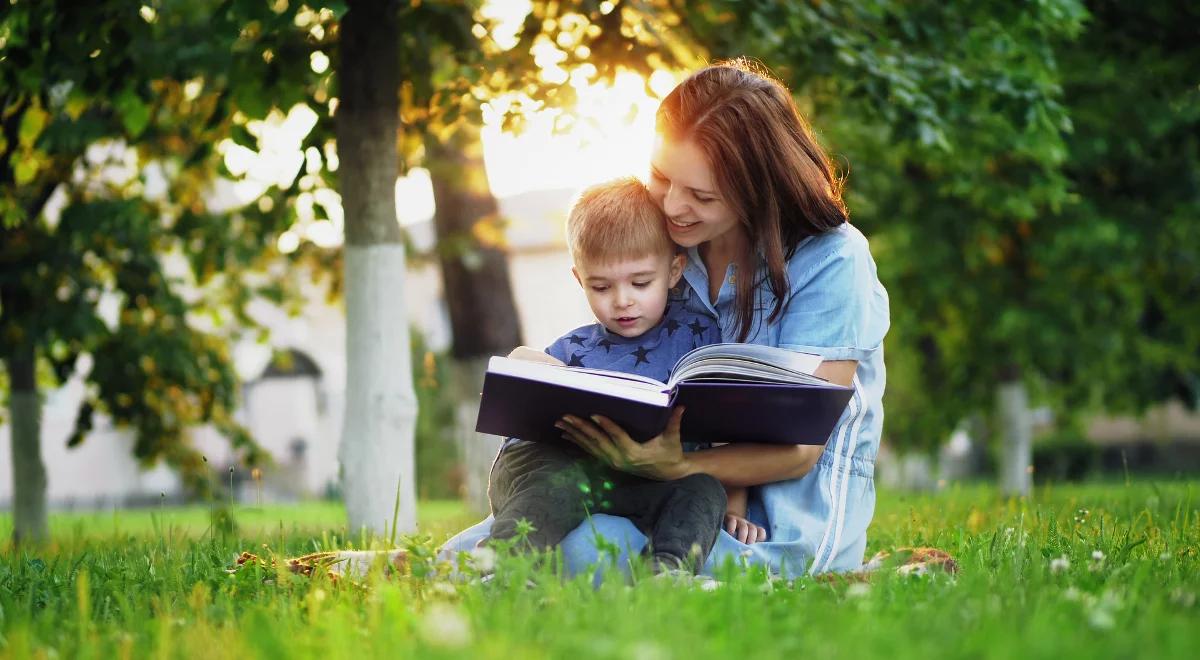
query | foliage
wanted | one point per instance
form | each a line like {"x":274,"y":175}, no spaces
{"x":1082,"y":571}
{"x":437,"y":456}
{"x":1027,"y":183}
{"x":109,"y":244}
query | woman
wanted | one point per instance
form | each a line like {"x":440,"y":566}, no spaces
{"x":772,"y":258}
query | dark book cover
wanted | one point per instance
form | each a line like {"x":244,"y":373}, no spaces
{"x":789,"y":414}
{"x":716,"y":411}
{"x":527,"y":409}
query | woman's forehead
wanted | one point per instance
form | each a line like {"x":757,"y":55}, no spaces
{"x":683,"y":162}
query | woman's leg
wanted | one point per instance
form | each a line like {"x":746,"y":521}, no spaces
{"x":598,"y":543}
{"x":466,"y":540}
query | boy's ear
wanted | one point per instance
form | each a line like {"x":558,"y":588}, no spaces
{"x":575,"y":272}
{"x":677,"y":263}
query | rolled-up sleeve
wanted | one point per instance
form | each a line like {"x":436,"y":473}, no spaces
{"x":836,"y":307}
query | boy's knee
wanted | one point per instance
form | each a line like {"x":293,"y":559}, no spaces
{"x":704,"y":485}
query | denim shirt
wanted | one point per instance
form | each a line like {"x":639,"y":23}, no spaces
{"x":835,"y":308}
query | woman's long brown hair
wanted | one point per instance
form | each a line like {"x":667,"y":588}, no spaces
{"x":768,"y":167}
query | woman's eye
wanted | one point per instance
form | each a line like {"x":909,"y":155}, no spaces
{"x":654,"y":174}
{"x":704,"y":200}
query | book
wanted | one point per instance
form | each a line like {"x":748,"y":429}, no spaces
{"x":732,"y":392}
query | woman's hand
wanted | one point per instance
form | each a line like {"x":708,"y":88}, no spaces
{"x":743,"y":530}
{"x":660,"y":457}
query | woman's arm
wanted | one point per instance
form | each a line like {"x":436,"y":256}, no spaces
{"x":662,"y":457}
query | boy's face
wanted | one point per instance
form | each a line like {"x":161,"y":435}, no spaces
{"x":629,"y":296}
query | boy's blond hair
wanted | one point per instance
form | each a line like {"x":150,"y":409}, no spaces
{"x":617,"y":220}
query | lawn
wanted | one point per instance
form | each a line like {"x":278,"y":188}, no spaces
{"x":1097,"y":570}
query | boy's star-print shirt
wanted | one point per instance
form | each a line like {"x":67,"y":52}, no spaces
{"x":652,"y":353}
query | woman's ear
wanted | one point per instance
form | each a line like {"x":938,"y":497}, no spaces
{"x":677,"y":263}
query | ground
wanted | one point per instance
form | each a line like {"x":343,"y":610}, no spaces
{"x":1096,"y":570}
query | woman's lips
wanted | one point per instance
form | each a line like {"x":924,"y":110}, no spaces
{"x":677,"y":226}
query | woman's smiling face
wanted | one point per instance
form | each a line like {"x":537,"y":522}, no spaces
{"x":682,"y":182}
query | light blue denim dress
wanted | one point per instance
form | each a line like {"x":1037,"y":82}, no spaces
{"x":836,"y":308}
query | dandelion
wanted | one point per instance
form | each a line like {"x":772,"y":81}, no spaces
{"x":1097,"y":555}
{"x":1059,"y":564}
{"x":1097,"y":560}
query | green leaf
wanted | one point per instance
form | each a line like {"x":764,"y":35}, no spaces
{"x":33,"y":122}
{"x":135,"y":114}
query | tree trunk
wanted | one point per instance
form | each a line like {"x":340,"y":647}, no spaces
{"x":483,"y":314}
{"x":1016,"y":436}
{"x":29,"y":474}
{"x":376,"y":451}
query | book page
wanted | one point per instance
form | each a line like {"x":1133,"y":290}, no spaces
{"x":747,"y":362}
{"x":613,"y":383}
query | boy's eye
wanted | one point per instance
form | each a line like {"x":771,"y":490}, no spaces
{"x":641,"y":285}
{"x":598,"y":288}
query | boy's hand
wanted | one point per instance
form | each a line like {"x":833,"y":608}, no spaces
{"x":533,"y":355}
{"x":743,"y":530}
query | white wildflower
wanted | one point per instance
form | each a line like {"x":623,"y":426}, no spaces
{"x":1183,"y":598}
{"x":648,"y":651}
{"x":1073,"y":594}
{"x":1097,"y":555}
{"x":858,"y":590}
{"x":709,"y":585}
{"x":445,"y":626}
{"x":1164,"y":556}
{"x":444,"y":589}
{"x":1059,"y":564}
{"x":483,"y":559}
{"x":1101,"y":618}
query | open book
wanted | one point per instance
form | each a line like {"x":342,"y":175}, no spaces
{"x":733,"y":393}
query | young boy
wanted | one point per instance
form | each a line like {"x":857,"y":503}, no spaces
{"x":626,"y":263}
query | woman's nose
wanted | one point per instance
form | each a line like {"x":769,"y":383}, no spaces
{"x":672,"y":202}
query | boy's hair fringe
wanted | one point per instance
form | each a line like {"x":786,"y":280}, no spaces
{"x":617,"y":220}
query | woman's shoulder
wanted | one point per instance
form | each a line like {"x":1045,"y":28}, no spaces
{"x":844,"y":243}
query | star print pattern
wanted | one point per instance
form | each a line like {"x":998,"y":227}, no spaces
{"x":641,"y":354}
{"x":651,"y":354}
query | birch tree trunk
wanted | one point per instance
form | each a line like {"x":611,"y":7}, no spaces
{"x":376,"y":450}
{"x":29,"y":474}
{"x":1016,"y":437}
{"x":483,"y":314}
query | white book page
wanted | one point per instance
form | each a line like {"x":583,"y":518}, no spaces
{"x":589,"y":380}
{"x":763,"y":363}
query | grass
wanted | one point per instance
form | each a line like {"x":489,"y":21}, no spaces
{"x":1098,"y":570}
